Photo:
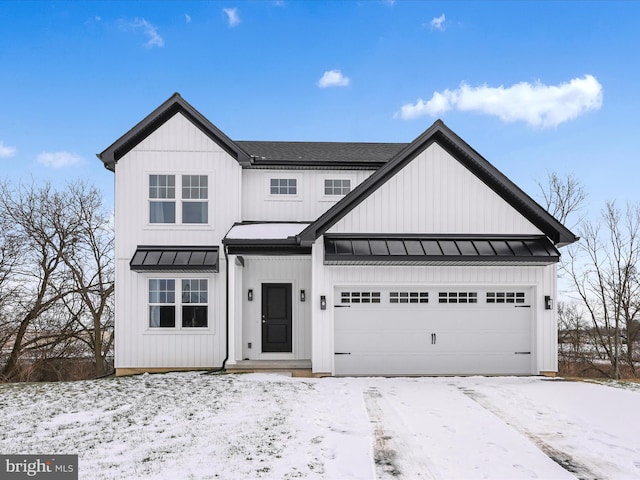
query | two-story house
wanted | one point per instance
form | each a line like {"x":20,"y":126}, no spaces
{"x":342,"y":258}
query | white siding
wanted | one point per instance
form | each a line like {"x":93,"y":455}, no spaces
{"x":308,"y":205}
{"x":177,"y":147}
{"x":434,"y":194}
{"x":541,"y":280}
{"x":258,"y":270}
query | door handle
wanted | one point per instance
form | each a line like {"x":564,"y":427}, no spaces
{"x":264,"y":319}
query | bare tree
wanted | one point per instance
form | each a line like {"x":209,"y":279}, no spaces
{"x":603,"y":269}
{"x":56,"y":276}
{"x":91,"y":264}
{"x":563,"y":196}
{"x":34,"y":219}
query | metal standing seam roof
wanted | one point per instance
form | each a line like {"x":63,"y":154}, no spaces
{"x":435,"y":250}
{"x":167,"y":259}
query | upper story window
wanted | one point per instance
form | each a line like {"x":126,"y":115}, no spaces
{"x":195,"y":192}
{"x":283,"y":186}
{"x":162,"y":194}
{"x":333,"y":186}
{"x":193,"y":199}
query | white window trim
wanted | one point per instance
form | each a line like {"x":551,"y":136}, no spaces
{"x":178,"y":201}
{"x":334,"y":176}
{"x":179,"y":329}
{"x":283,"y":197}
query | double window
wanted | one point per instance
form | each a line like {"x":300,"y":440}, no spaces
{"x":194,"y":194}
{"x":188,"y":309}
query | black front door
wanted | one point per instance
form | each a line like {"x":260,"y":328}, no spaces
{"x":276,"y":317}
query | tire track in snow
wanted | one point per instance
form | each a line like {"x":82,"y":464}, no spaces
{"x":566,"y":461}
{"x":386,"y":446}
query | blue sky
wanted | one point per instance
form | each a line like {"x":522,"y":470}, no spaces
{"x":534,"y":87}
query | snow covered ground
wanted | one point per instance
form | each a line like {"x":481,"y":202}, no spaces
{"x":189,"y":425}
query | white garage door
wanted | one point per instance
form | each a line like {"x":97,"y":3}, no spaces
{"x":431,"y":331}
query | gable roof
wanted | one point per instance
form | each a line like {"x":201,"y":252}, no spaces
{"x":469,"y":158}
{"x":155,"y":119}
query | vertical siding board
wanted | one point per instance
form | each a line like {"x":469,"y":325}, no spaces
{"x":175,"y":147}
{"x":458,"y":203}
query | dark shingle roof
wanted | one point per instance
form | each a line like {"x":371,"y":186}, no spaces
{"x":320,"y":153}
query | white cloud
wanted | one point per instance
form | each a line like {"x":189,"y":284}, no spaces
{"x":6,"y":151}
{"x":58,"y":159}
{"x":232,"y":16}
{"x":333,"y":78}
{"x":187,"y":18}
{"x":155,"y":40}
{"x":437,"y":23}
{"x":537,"y":104}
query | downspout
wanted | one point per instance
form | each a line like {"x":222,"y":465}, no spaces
{"x":224,"y":362}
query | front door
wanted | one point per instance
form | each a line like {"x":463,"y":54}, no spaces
{"x":276,"y":317}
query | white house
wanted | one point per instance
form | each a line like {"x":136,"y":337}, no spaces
{"x":339,"y":258}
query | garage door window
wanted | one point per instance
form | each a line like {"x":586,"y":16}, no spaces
{"x":505,"y":297}
{"x":360,"y":297}
{"x":458,"y":297}
{"x":408,"y":297}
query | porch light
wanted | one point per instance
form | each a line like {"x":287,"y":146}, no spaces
{"x":250,"y":295}
{"x":323,"y":302}
{"x":548,"y":302}
{"x":302,"y":296}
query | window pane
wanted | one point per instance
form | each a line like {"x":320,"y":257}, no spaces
{"x":162,"y":212}
{"x":283,"y":186}
{"x":162,"y":186}
{"x":194,"y":187}
{"x":162,"y":316}
{"x":194,"y":291}
{"x":337,"y":186}
{"x":194,"y":316}
{"x":195,"y":212}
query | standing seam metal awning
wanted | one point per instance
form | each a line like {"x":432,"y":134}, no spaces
{"x":171,"y":259}
{"x":439,"y":250}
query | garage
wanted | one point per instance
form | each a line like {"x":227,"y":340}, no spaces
{"x":433,"y":331}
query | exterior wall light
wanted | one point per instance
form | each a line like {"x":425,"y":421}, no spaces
{"x":548,"y":302}
{"x":323,"y":302}
{"x":302,"y":296}
{"x":250,"y":295}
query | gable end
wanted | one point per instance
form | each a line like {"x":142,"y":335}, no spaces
{"x":470,"y":159}
{"x":175,"y":104}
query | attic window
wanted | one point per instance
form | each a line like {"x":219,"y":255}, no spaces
{"x":283,"y":186}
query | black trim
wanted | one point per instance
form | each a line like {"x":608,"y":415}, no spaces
{"x":172,"y":259}
{"x":470,"y":159}
{"x":265,"y":247}
{"x":173,"y":105}
{"x":439,"y":250}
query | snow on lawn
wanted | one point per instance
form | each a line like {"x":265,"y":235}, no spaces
{"x":189,"y":425}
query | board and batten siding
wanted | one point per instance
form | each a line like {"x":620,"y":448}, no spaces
{"x":434,"y":194}
{"x":279,"y":269}
{"x":176,"y":147}
{"x":307,"y":205}
{"x":541,"y":280}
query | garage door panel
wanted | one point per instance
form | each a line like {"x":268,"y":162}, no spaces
{"x":475,"y":336}
{"x":433,"y":364}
